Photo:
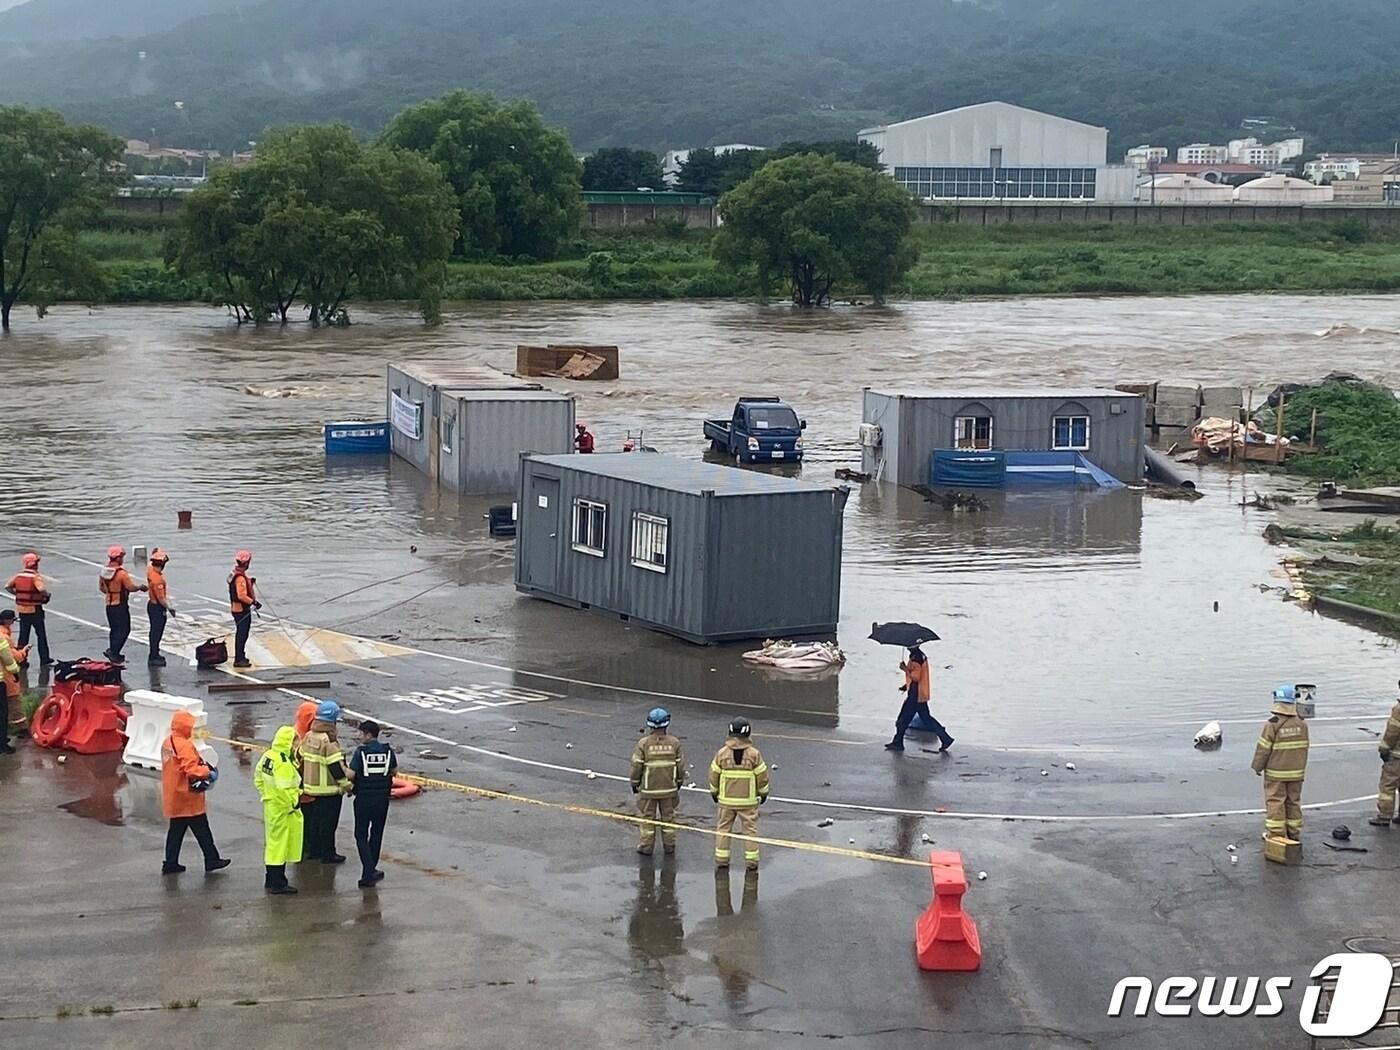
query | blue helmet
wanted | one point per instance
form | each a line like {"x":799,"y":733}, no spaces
{"x":658,"y":718}
{"x":328,"y":711}
{"x":1286,"y":693}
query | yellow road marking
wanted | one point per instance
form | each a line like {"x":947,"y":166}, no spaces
{"x":626,"y":818}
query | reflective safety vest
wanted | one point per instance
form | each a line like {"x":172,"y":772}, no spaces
{"x":657,"y":767}
{"x":738,"y":775}
{"x":319,"y":752}
{"x":1282,"y":750}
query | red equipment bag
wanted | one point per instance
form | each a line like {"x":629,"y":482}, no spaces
{"x":91,"y":672}
{"x":211,"y":653}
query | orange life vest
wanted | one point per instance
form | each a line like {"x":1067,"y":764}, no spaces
{"x":29,"y":591}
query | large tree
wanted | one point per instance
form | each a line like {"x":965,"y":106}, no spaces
{"x":820,"y":223}
{"x":319,"y":218}
{"x":516,"y":180}
{"x":705,"y":171}
{"x":619,"y":168}
{"x":50,"y":172}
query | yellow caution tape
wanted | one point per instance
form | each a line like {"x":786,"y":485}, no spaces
{"x":625,"y":818}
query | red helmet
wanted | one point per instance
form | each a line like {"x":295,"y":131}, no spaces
{"x":243,"y":557}
{"x":30,"y":560}
{"x":581,"y":426}
{"x":116,"y":553}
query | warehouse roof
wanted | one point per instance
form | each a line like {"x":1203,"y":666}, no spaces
{"x":989,"y":393}
{"x":995,"y":104}
{"x":680,"y":475}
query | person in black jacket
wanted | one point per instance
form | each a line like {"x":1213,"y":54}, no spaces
{"x":372,"y":768}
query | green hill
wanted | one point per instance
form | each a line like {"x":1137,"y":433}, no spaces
{"x":643,"y":73}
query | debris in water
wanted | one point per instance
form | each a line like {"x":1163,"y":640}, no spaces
{"x":568,"y":747}
{"x":1209,"y":735}
{"x":796,"y":656}
{"x":433,"y":755}
{"x":1234,"y":860}
{"x":1231,"y":848}
{"x":413,"y":548}
{"x":511,"y":729}
{"x":851,"y":841}
{"x":825,"y":823}
{"x":1045,"y":772}
{"x":1071,"y":766}
{"x":62,"y":759}
{"x":925,"y":838}
{"x":590,"y":774}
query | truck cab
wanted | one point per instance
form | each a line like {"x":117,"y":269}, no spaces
{"x":760,"y":430}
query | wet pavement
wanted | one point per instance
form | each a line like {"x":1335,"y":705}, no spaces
{"x":1097,"y":629}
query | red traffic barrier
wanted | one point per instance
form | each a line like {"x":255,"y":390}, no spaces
{"x":82,"y":717}
{"x":945,"y":937}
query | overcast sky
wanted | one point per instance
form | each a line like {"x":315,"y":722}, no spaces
{"x":9,"y":3}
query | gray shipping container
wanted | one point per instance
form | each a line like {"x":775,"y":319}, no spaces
{"x":705,"y":552}
{"x":914,"y":423}
{"x":465,"y":428}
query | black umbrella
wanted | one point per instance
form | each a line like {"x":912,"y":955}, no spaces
{"x":907,"y":635}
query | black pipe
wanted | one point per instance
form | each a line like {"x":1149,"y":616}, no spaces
{"x":1165,"y":472}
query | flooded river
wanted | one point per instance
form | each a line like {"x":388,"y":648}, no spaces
{"x":1087,"y":616}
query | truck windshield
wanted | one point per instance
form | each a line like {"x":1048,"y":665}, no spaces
{"x":775,"y":417}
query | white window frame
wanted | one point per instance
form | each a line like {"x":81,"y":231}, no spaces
{"x":647,"y":529}
{"x":958,"y":422}
{"x":447,"y":432}
{"x":1070,"y":418}
{"x":582,"y":544}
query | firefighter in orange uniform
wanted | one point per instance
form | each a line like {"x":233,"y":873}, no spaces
{"x":242,"y":600}
{"x":117,"y":586}
{"x":31,"y":595}
{"x":158,"y":607}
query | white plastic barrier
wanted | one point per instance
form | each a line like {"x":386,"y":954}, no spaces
{"x":149,"y":725}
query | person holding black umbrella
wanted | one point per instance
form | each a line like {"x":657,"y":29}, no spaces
{"x":916,"y":691}
{"x":917,"y":688}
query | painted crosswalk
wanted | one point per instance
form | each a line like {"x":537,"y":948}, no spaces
{"x":273,"y":643}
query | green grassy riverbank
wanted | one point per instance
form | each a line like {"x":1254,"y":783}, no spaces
{"x":954,"y":261}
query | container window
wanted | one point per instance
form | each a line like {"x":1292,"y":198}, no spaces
{"x":449,"y":425}
{"x":972,"y":432}
{"x":650,"y":539}
{"x":590,"y":527}
{"x":1071,"y":433}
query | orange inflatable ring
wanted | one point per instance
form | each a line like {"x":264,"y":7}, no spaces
{"x":52,"y":720}
{"x":402,"y":788}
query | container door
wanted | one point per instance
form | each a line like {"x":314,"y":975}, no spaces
{"x":544,"y":537}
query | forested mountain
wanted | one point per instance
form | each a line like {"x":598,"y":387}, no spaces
{"x":635,"y":72}
{"x":45,"y":21}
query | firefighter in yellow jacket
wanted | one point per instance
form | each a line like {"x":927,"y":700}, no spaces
{"x":739,"y":785}
{"x":1390,"y":770}
{"x":657,"y":771}
{"x":1281,"y":758}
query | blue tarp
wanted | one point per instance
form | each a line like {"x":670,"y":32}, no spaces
{"x":357,"y":437}
{"x":984,"y":469}
{"x":968,"y":468}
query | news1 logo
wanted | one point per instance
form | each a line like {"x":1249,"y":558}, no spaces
{"x":1360,"y":992}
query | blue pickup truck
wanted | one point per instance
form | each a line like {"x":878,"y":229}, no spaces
{"x":762,"y":430}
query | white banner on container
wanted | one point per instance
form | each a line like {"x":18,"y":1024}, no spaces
{"x":406,"y":416}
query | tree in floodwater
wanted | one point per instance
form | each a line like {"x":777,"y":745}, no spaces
{"x":50,"y":172}
{"x":820,"y":223}
{"x":516,"y":180}
{"x":319,"y":218}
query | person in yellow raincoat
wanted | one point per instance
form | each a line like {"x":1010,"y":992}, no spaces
{"x":278,"y":783}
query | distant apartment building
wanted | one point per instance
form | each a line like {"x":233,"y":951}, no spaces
{"x":673,"y":161}
{"x":1144,"y":157}
{"x":1202,"y":153}
{"x":1337,"y":167}
{"x":1252,"y":151}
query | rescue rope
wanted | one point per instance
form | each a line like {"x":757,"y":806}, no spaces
{"x":625,"y":818}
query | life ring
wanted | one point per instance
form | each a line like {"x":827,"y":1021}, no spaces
{"x":402,"y":788}
{"x":52,"y":720}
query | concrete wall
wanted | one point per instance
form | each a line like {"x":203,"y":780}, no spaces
{"x":1142,"y":213}
{"x":617,"y":216}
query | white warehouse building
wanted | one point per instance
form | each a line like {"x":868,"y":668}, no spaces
{"x":996,"y":151}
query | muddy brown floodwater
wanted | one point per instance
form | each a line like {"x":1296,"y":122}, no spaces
{"x":1078,"y":617}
